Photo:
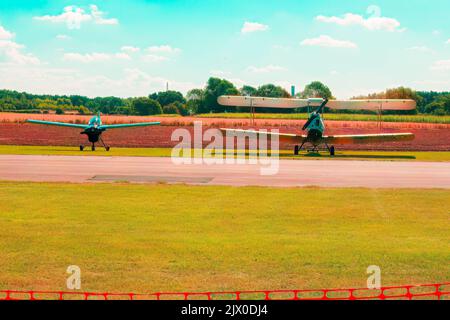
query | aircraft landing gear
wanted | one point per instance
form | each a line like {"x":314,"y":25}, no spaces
{"x":298,"y":149}
{"x":81,"y":148}
{"x":107,"y":148}
{"x":332,"y":151}
{"x":93,"y":147}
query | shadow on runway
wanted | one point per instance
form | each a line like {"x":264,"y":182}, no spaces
{"x":351,"y":156}
{"x":316,"y":155}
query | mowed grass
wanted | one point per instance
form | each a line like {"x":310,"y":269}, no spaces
{"x":152,"y":238}
{"x":333,"y":116}
{"x":285,"y":154}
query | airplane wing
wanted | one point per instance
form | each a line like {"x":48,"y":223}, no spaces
{"x":283,"y":137}
{"x":262,"y":102}
{"x":130,"y":125}
{"x":336,"y":139}
{"x":289,"y":103}
{"x":59,"y":124}
{"x":368,"y":138}
{"x":372,"y":104}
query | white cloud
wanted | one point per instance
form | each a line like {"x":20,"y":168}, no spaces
{"x":239,"y":83}
{"x":432,"y":85}
{"x":63,"y":37}
{"x":5,"y":34}
{"x":281,"y":47}
{"x":266,"y":69}
{"x":126,"y":53}
{"x":12,"y":52}
{"x":441,"y":65}
{"x":46,"y":80}
{"x":422,"y":49}
{"x":327,"y":41}
{"x":123,"y":56}
{"x":154,"y":58}
{"x":250,"y":27}
{"x":97,"y":15}
{"x":95,"y":57}
{"x":130,"y":49}
{"x":74,"y":17}
{"x":87,"y":58}
{"x":219,"y":73}
{"x":164,"y":49}
{"x":448,"y":41}
{"x":372,"y":23}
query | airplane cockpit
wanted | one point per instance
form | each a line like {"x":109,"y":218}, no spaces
{"x":95,"y":122}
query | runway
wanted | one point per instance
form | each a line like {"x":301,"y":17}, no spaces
{"x":323,"y":173}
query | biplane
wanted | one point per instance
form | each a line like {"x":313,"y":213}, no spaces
{"x":94,"y":129}
{"x":314,"y":128}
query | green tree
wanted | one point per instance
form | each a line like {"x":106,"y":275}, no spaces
{"x":316,"y":89}
{"x":248,"y":91}
{"x":83,"y":110}
{"x":272,"y":91}
{"x":146,"y":106}
{"x":171,"y":109}
{"x":195,"y":99}
{"x":168,"y":97}
{"x":196,"y":94}
{"x":214,"y":89}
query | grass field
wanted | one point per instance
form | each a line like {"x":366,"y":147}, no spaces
{"x":149,"y":238}
{"x":335,"y":116}
{"x":161,"y":152}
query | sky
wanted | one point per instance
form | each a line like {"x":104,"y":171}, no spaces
{"x":135,"y":47}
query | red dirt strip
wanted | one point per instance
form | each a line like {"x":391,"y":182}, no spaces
{"x":13,"y":131}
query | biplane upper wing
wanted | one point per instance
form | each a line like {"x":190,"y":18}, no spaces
{"x":368,"y":138}
{"x":262,"y":102}
{"x":59,"y":124}
{"x":289,"y":103}
{"x":372,"y":104}
{"x":283,"y":137}
{"x":130,"y":125}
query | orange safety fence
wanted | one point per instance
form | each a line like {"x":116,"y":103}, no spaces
{"x":411,"y":292}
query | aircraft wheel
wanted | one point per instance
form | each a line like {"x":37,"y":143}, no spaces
{"x":297,"y":150}
{"x":108,"y":148}
{"x":81,"y":148}
{"x":93,"y":148}
{"x":332,"y":151}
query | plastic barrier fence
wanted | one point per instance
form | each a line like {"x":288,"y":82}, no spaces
{"x":412,"y":292}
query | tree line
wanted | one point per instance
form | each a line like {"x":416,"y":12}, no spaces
{"x":201,"y":101}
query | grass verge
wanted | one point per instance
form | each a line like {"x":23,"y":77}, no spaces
{"x":149,"y":238}
{"x":166,"y":152}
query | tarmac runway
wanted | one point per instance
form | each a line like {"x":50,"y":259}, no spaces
{"x":291,"y":173}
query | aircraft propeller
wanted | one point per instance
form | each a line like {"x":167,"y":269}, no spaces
{"x":315,"y":114}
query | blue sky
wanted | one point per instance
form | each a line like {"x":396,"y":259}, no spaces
{"x":134,"y":47}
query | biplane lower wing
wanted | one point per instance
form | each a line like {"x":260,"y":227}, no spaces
{"x":368,"y":138}
{"x":337,"y":139}
{"x":283,"y":137}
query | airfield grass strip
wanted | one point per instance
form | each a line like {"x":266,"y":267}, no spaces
{"x":148,"y":238}
{"x":438,"y":156}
